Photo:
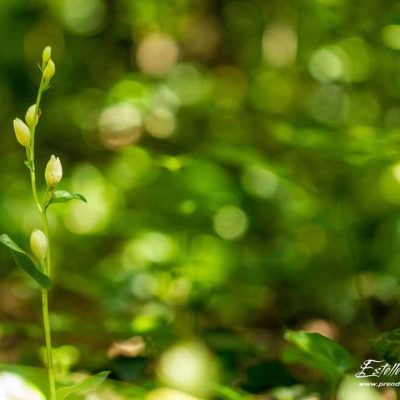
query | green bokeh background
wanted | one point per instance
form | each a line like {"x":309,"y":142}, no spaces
{"x":241,"y":164}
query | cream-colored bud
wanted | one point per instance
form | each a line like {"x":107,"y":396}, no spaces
{"x":31,"y":117}
{"x":22,"y":132}
{"x":46,"y":54}
{"x":49,"y":70}
{"x":39,"y":244}
{"x":53,"y":172}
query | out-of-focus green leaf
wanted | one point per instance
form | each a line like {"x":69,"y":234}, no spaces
{"x":25,"y":262}
{"x":86,"y":384}
{"x":227,"y":393}
{"x":318,"y":352}
{"x":387,"y":345}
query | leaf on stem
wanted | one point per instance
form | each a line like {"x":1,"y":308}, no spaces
{"x":25,"y":262}
{"x":28,"y":165}
{"x":318,"y":352}
{"x":7,"y":241}
{"x":86,"y":384}
{"x":62,"y":196}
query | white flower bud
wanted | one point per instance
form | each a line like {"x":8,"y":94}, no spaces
{"x":46,"y":54}
{"x":39,"y":244}
{"x":49,"y":70}
{"x":30,"y":116}
{"x":53,"y":173}
{"x":22,"y":132}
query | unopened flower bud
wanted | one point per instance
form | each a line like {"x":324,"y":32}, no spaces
{"x":30,"y":117}
{"x":53,"y":173}
{"x":49,"y":70}
{"x":46,"y":54}
{"x":39,"y":244}
{"x":22,"y":132}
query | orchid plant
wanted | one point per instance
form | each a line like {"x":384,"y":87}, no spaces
{"x":38,"y":263}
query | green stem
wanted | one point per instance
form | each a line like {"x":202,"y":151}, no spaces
{"x":47,"y":266}
{"x":47,"y":331}
{"x":46,"y":232}
{"x":32,"y":149}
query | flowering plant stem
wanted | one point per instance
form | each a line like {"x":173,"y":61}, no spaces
{"x":47,"y":330}
{"x":38,"y":264}
{"x":46,"y":266}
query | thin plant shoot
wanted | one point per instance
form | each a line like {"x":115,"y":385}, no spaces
{"x":38,"y":263}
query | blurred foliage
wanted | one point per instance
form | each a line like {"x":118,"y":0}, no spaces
{"x":241,"y":164}
{"x":318,"y":352}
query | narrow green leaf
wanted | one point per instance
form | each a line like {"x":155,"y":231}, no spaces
{"x":62,"y":196}
{"x":7,"y":241}
{"x":25,"y":262}
{"x":318,"y":352}
{"x":86,"y":384}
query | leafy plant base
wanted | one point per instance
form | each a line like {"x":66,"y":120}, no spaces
{"x":38,"y":377}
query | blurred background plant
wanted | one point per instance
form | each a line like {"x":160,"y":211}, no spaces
{"x":242,"y":167}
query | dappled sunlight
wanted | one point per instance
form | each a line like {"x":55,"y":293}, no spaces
{"x":169,"y":394}
{"x":79,"y":219}
{"x":231,"y":178}
{"x":230,"y":222}
{"x":120,"y":126}
{"x":260,"y":181}
{"x":348,"y":60}
{"x":189,"y":367}
{"x":280,"y":45}
{"x":157,"y":54}
{"x":391,"y":36}
{"x":14,"y":387}
{"x":84,"y":19}
{"x":350,"y":388}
